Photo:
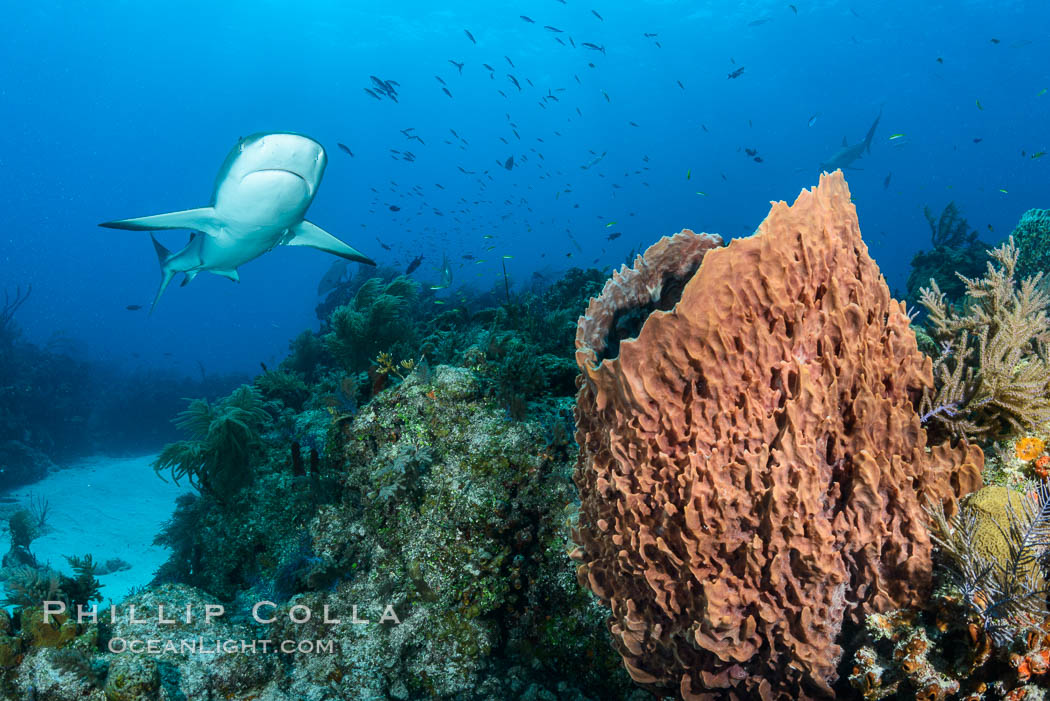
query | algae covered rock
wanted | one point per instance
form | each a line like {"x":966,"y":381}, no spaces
{"x":10,"y":650}
{"x":208,"y":656}
{"x":132,"y":678}
{"x":52,"y":631}
{"x":450,"y":541}
{"x":57,"y":675}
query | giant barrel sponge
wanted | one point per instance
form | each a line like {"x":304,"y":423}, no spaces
{"x":752,"y":468}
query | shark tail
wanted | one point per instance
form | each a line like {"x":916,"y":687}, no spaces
{"x":166,"y":271}
{"x":871,"y":133}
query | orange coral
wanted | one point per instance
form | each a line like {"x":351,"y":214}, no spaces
{"x":752,"y":468}
{"x":1028,"y":448}
{"x":1042,"y":467}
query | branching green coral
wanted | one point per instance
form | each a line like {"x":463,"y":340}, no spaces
{"x":286,"y":386}
{"x":82,"y":588}
{"x":371,"y":322}
{"x":217,"y":457}
{"x":992,"y":374}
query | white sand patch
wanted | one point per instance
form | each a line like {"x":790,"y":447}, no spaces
{"x":108,"y":507}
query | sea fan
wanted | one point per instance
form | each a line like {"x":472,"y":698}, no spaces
{"x":1008,"y":594}
{"x":29,"y":586}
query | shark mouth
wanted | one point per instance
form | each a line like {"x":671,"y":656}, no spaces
{"x":306,"y":183}
{"x":280,"y":170}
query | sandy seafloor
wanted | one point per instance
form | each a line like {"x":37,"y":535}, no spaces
{"x":108,"y":507}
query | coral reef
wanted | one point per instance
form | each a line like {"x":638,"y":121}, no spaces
{"x":956,"y":249}
{"x":1032,"y":235}
{"x":752,"y":467}
{"x":992,"y":371}
{"x":431,"y":499}
{"x":985,"y":633}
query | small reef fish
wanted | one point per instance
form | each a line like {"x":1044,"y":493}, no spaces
{"x":813,"y":119}
{"x":595,"y":13}
{"x":459,"y":66}
{"x":737,"y":73}
{"x":552,"y":29}
{"x":509,"y":163}
{"x":346,"y":149}
{"x":133,"y":307}
{"x":414,"y":265}
{"x":528,"y":19}
{"x":593,"y":47}
{"x":470,"y":36}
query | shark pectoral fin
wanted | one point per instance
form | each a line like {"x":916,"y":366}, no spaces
{"x":202,"y":219}
{"x":190,"y":274}
{"x":228,"y":274}
{"x":306,"y":234}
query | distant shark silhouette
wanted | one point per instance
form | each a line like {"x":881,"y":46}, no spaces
{"x":262,"y":192}
{"x":847,"y":154}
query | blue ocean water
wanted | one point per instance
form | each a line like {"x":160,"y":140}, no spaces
{"x":120,"y":109}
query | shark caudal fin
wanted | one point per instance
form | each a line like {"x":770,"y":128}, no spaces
{"x":871,"y":133}
{"x":167,"y":271}
{"x":306,"y":234}
{"x":202,"y":219}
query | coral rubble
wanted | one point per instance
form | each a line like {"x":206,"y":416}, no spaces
{"x":752,"y":467}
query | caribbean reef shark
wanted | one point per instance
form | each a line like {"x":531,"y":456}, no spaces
{"x":847,"y":154}
{"x":261,"y":195}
